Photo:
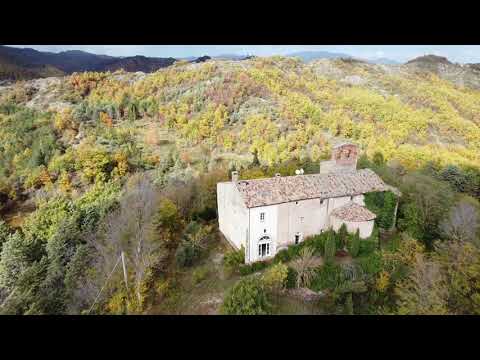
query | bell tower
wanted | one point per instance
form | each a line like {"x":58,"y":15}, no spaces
{"x":344,"y":158}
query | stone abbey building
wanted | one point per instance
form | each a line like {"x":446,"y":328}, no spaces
{"x":266,"y":215}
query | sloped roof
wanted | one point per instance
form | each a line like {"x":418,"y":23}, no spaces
{"x":353,"y":212}
{"x":277,"y":190}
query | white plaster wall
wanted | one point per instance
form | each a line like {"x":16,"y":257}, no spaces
{"x":359,"y":199}
{"x":232,"y":214}
{"x":283,"y":225}
{"x":366,"y":227}
{"x":260,"y":228}
{"x":308,"y":217}
{"x":314,"y":214}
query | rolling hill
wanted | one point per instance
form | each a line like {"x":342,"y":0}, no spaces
{"x":92,"y":162}
{"x":308,"y":56}
{"x":280,"y":107}
{"x":17,"y":63}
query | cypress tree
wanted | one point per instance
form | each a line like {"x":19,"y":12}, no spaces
{"x":342,"y":235}
{"x":355,"y":244}
{"x":330,"y":248}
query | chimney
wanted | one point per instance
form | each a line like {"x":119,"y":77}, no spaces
{"x":234,"y":176}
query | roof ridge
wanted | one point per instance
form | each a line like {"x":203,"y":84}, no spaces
{"x":277,"y":190}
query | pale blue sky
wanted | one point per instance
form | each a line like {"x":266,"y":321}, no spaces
{"x":456,"y":53}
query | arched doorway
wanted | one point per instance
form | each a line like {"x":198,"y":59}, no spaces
{"x":264,"y":246}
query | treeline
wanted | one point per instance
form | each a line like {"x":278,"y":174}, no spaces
{"x":68,"y":249}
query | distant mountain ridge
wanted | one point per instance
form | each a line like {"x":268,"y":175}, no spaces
{"x":18,"y":63}
{"x":26,"y":63}
{"x":308,"y":56}
{"x":314,"y":55}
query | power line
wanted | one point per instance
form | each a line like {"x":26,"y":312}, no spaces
{"x":106,"y":281}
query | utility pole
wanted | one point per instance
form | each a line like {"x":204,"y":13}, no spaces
{"x":125,"y":299}
{"x":124,"y":271}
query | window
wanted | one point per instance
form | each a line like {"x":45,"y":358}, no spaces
{"x":264,"y":249}
{"x":321,"y":201}
{"x":264,"y":246}
{"x":262,"y":216}
{"x":297,"y":238}
{"x":264,"y":231}
{"x":301,"y":219}
{"x":351,"y":197}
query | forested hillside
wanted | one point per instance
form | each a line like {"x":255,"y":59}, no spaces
{"x":25,"y":63}
{"x":94,"y":164}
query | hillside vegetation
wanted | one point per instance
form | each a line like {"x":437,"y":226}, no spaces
{"x":96,"y":163}
{"x":409,"y":115}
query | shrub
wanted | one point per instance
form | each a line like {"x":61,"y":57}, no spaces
{"x":367,"y":247}
{"x":185,"y":254}
{"x":370,"y":264}
{"x":194,"y":240}
{"x":247,"y":297}
{"x":200,"y":274}
{"x":349,"y":304}
{"x":4,"y":232}
{"x":317,"y":242}
{"x":291,"y":281}
{"x":327,"y":277}
{"x":247,"y":269}
{"x":288,"y":254}
{"x":275,"y":278}
{"x":234,"y":259}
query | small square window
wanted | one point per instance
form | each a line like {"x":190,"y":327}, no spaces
{"x":351,"y":197}
{"x":262,"y":216}
{"x":264,"y":231}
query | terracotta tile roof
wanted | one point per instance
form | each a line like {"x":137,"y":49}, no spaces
{"x":276,"y":190}
{"x":353,"y":212}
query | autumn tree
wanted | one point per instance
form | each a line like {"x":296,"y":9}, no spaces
{"x":460,"y":264}
{"x":462,"y":223}
{"x":425,"y":201}
{"x":128,"y":229}
{"x":424,"y":291}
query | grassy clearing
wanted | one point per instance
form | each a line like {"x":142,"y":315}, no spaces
{"x":194,"y":294}
{"x":200,"y":289}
